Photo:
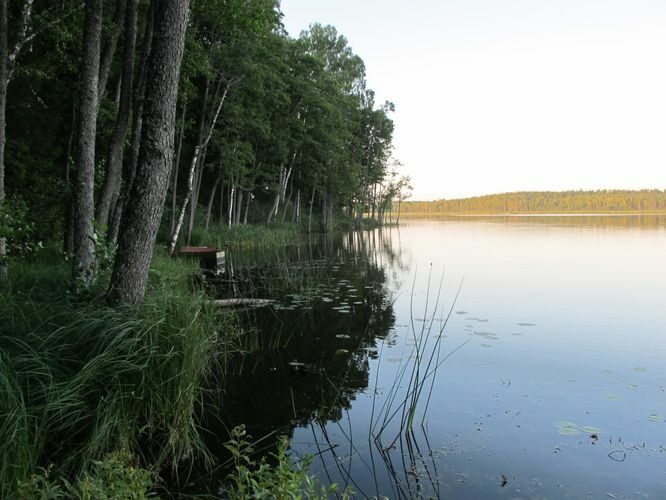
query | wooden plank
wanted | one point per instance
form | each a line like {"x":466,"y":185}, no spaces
{"x":242,"y":302}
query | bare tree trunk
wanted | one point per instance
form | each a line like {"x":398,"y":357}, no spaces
{"x":297,"y":208}
{"x":109,"y":50}
{"x":211,"y":199}
{"x":274,"y":208}
{"x":83,"y":263}
{"x":196,"y":191}
{"x":130,"y":164}
{"x":247,"y":207}
{"x":6,"y":69}
{"x":221,"y":221}
{"x":136,"y":241}
{"x":183,"y":209}
{"x":21,"y":36}
{"x":68,"y":234}
{"x":311,"y":203}
{"x":232,"y":197}
{"x":4,"y":81}
{"x":288,"y":198}
{"x":174,"y":186}
{"x":114,"y":164}
{"x":239,"y":206}
{"x":327,"y":213}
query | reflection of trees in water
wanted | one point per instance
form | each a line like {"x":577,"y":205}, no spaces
{"x":314,"y":360}
{"x":604,"y":221}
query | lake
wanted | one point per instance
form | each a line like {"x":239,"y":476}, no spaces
{"x":547,"y":380}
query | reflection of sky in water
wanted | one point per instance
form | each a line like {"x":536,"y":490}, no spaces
{"x":568,"y":328}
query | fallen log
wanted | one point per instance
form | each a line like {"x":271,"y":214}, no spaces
{"x":243,"y":302}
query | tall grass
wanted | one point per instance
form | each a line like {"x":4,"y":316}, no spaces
{"x":246,"y":236}
{"x":78,"y":380}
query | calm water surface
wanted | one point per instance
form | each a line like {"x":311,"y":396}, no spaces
{"x":554,"y":385}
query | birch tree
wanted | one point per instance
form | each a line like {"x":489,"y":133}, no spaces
{"x":7,"y":64}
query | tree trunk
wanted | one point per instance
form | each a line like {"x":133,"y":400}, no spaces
{"x":247,"y":207}
{"x":129,"y":164}
{"x":239,"y":206}
{"x":68,"y":235}
{"x":196,"y":191}
{"x":327,"y":213}
{"x":114,"y":164}
{"x":211,"y":200}
{"x":83,"y":263}
{"x":221,"y":221}
{"x":136,"y":241}
{"x":6,"y":69}
{"x":176,"y":165}
{"x":4,"y":80}
{"x":297,"y":208}
{"x":311,"y":203}
{"x":232,"y":197}
{"x":274,"y":207}
{"x":109,"y":50}
{"x":287,"y":200}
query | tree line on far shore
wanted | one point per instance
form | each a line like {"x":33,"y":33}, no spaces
{"x":647,"y":200}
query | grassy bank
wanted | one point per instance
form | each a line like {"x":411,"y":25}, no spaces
{"x":79,"y":380}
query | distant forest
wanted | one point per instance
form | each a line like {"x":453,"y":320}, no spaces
{"x":646,"y":200}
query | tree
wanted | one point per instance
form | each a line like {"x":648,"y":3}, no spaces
{"x":3,"y":127}
{"x":136,"y":241}
{"x":108,"y":196}
{"x":7,"y":62}
{"x":83,"y":263}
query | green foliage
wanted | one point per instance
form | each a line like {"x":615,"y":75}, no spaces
{"x":259,"y":479}
{"x":104,"y":252}
{"x":16,"y":226}
{"x":113,"y":478}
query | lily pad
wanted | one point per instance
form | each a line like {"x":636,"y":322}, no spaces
{"x":567,"y":428}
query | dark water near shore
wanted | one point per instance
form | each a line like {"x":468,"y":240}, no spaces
{"x":555,"y":380}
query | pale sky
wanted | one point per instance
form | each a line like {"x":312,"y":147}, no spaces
{"x":513,"y":95}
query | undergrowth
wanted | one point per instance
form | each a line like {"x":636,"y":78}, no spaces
{"x":285,"y":479}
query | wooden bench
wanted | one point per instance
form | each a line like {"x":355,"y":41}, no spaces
{"x":209,"y":257}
